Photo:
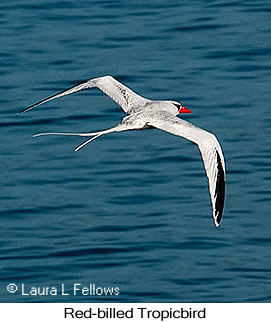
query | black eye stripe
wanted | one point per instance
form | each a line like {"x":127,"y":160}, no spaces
{"x":178,"y":105}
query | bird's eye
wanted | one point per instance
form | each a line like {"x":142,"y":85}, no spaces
{"x":177,"y":105}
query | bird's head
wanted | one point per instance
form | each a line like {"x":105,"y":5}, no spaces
{"x":180,"y":107}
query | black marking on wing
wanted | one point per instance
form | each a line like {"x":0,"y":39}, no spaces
{"x":37,"y":103}
{"x":53,"y":96}
{"x":124,"y":94}
{"x":220,"y":189}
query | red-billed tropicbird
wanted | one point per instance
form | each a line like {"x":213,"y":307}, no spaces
{"x":143,"y":113}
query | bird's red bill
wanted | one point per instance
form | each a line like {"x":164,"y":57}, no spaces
{"x":184,"y":110}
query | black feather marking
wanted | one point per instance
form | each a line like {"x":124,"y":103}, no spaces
{"x":53,"y":96}
{"x":123,"y":92}
{"x":219,"y":190}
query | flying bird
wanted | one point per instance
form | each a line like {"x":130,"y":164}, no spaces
{"x":142,"y":113}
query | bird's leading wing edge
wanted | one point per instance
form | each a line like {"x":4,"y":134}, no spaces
{"x":211,"y":153}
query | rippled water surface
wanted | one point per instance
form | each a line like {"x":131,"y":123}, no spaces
{"x":131,"y":210}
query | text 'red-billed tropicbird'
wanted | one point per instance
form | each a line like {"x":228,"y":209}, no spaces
{"x":142,"y":113}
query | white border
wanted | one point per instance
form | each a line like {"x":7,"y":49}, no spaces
{"x":215,"y":313}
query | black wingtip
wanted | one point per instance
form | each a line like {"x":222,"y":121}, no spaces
{"x":35,"y":104}
{"x":32,"y":106}
{"x":24,"y":110}
{"x":54,"y":96}
{"x":219,"y":191}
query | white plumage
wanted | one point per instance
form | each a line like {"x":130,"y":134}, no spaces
{"x":143,"y":113}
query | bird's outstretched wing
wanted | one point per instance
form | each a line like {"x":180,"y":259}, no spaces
{"x":118,"y":92}
{"x":211,"y":153}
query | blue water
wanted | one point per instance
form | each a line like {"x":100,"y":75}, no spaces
{"x":132,"y":210}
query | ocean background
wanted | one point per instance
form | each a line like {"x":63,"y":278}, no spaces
{"x":132,"y":210}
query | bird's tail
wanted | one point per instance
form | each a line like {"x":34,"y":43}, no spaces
{"x":94,"y":135}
